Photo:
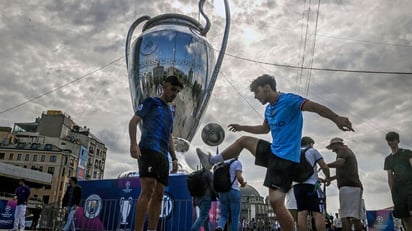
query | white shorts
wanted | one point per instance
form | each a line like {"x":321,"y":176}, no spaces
{"x":350,"y":201}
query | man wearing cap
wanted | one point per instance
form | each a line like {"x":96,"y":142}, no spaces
{"x":349,"y":184}
{"x":398,"y":165}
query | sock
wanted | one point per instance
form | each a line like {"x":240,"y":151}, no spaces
{"x":216,"y":159}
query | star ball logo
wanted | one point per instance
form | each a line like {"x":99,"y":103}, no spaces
{"x":167,"y":206}
{"x":92,"y":206}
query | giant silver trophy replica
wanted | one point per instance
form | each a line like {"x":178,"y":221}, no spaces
{"x":174,"y":44}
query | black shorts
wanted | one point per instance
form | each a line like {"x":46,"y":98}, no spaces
{"x":154,"y":164}
{"x":402,"y":201}
{"x":279,"y":172}
{"x":309,"y":198}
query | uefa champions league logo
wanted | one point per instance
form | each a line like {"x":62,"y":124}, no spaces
{"x":127,"y":189}
{"x":167,"y":206}
{"x":92,"y":206}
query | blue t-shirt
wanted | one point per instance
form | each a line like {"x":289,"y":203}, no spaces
{"x":157,"y":124}
{"x":285,"y":121}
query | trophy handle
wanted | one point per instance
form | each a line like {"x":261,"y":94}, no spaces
{"x":130,"y":34}
{"x":219,"y":60}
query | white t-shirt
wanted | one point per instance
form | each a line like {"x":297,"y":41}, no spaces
{"x":235,"y":166}
{"x":312,"y":156}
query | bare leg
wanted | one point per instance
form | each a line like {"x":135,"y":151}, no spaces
{"x":303,"y":220}
{"x":142,"y":203}
{"x":155,"y":206}
{"x":319,"y":221}
{"x":277,"y":201}
{"x":233,"y":151}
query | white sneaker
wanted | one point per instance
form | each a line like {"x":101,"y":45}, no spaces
{"x":204,"y":158}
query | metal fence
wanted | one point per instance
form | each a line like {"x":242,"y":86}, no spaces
{"x":112,"y":216}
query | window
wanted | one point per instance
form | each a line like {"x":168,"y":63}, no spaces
{"x":34,"y":146}
{"x":42,"y":158}
{"x":33,"y":167}
{"x":27,"y":157}
{"x":19,"y":156}
{"x":50,"y":170}
{"x":48,"y":147}
{"x":53,"y":158}
{"x":2,"y":155}
{"x":11,"y":155}
{"x":34,"y":157}
{"x":41,"y":168}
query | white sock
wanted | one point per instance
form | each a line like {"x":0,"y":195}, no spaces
{"x":216,"y":159}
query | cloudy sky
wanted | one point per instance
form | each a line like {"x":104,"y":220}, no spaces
{"x":69,"y":56}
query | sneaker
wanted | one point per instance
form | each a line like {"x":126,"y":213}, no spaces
{"x":219,"y":229}
{"x":204,"y":159}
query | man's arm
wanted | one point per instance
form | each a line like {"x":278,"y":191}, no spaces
{"x":325,"y":170}
{"x":173,"y":154}
{"x":390,"y":178}
{"x":255,"y":129}
{"x":134,"y":148}
{"x":343,"y":123}
{"x":339,"y":162}
{"x":240,"y":178}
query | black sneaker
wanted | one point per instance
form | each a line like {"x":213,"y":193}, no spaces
{"x":219,"y":229}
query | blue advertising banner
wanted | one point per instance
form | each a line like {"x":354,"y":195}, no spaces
{"x":7,"y":208}
{"x":380,"y":220}
{"x":110,"y":204}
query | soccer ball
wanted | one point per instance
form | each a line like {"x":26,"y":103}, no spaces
{"x":213,"y":134}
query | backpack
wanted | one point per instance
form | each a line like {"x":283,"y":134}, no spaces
{"x":305,"y":169}
{"x":198,"y":182}
{"x":221,"y":177}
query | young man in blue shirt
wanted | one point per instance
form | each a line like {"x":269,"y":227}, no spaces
{"x":283,"y":118}
{"x":155,"y":144}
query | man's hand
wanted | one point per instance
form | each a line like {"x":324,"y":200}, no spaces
{"x":234,"y":127}
{"x":175,"y":166}
{"x":344,"y":124}
{"x":135,"y":151}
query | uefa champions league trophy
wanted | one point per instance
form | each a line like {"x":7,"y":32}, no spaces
{"x":174,"y":44}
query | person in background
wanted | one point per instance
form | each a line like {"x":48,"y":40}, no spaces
{"x":230,"y":201}
{"x":309,"y":195}
{"x":204,"y":203}
{"x":337,"y":222}
{"x":22,"y":194}
{"x":36,"y":217}
{"x":71,"y":202}
{"x":398,"y":165}
{"x":349,"y":184}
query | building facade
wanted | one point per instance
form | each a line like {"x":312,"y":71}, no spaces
{"x":56,"y":145}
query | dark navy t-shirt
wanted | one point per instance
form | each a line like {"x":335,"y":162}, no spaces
{"x":157,"y":124}
{"x":22,"y":193}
